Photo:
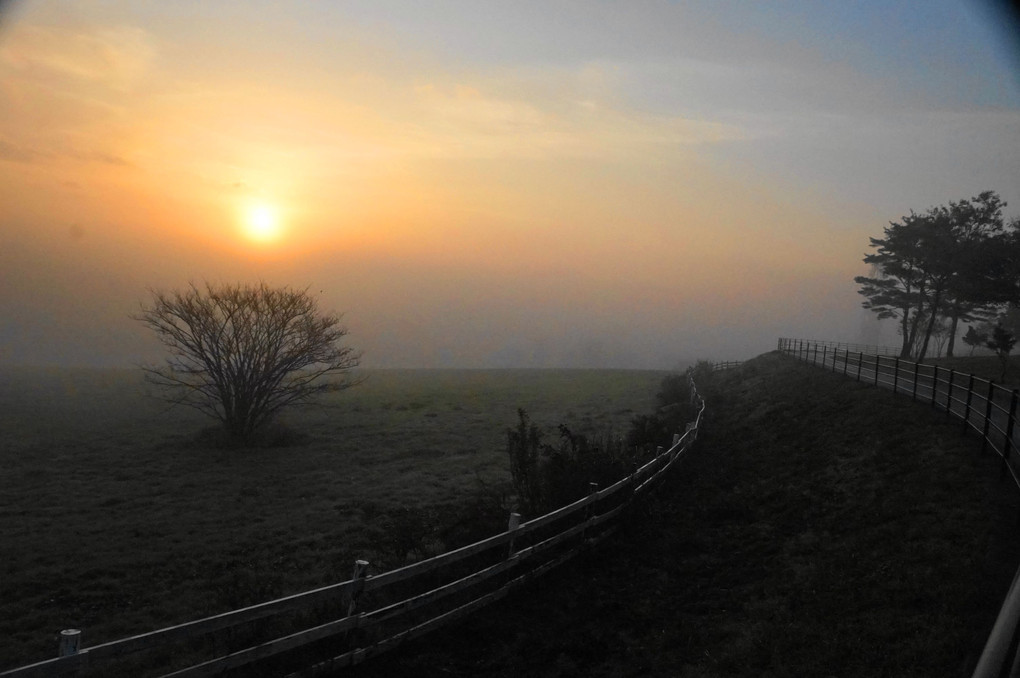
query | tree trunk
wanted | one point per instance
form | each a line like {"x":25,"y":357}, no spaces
{"x":905,"y":333}
{"x":931,"y":325}
{"x":914,"y":326}
{"x":952,"y":332}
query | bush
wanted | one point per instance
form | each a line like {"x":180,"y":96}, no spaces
{"x":648,"y":431}
{"x":485,"y":512}
{"x":702,"y":373}
{"x":524,"y":447}
{"x":569,"y":469}
{"x":547,"y":476}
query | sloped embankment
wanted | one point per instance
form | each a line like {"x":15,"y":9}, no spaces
{"x":819,"y":527}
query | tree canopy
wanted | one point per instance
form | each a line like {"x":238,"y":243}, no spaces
{"x":953,"y":262}
{"x":242,"y":353}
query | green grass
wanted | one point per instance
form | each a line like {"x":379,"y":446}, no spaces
{"x":818,"y":528}
{"x":114,"y":519}
{"x":985,"y":367}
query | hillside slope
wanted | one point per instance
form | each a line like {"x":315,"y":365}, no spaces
{"x":819,"y":527}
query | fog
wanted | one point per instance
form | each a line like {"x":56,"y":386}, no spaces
{"x":636,"y":185}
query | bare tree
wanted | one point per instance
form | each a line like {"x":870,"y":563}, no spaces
{"x":241,"y":353}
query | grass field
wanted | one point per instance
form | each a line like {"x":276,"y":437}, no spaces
{"x":985,"y":367}
{"x":819,"y":527}
{"x":114,"y":518}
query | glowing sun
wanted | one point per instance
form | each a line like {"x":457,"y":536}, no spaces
{"x":262,"y":223}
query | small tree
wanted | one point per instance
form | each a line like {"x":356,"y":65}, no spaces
{"x":242,"y":353}
{"x":1002,"y":343}
{"x":974,"y":338}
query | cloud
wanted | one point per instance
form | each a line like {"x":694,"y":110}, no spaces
{"x":15,"y":153}
{"x":463,"y":120}
{"x":101,"y":157}
{"x":12,"y":152}
{"x":116,"y":56}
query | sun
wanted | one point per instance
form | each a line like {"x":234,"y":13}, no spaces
{"x":262,"y":223}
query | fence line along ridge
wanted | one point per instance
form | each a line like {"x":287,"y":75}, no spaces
{"x":983,"y":406}
{"x":375,"y":613}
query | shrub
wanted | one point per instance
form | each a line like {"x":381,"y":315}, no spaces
{"x":524,"y":447}
{"x":546,"y":476}
{"x":648,"y":431}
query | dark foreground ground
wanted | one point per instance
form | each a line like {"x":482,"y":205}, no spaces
{"x":818,"y":528}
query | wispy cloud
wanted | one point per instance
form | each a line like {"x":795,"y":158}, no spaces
{"x":461,"y":119}
{"x":101,"y":157}
{"x":116,"y":57}
{"x":15,"y":153}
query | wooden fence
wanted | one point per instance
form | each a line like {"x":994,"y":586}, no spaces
{"x":370,"y":613}
{"x":983,"y":407}
{"x":728,"y":365}
{"x":867,"y":349}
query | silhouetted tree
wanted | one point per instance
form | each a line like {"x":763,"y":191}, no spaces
{"x":898,"y":291}
{"x":242,"y":353}
{"x":1002,"y":343}
{"x":954,"y":262}
{"x":980,"y":277}
{"x":974,"y":338}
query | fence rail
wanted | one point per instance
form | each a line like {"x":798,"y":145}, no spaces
{"x":375,"y":613}
{"x":868,"y":349}
{"x":728,"y":365}
{"x":983,"y":406}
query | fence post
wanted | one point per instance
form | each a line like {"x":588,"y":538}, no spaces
{"x":814,"y":356}
{"x":934,"y":386}
{"x":896,"y":376}
{"x":1009,"y":429}
{"x":512,"y":525}
{"x":966,"y":409}
{"x":988,"y":414}
{"x":949,"y":393}
{"x":846,"y":361}
{"x":913,"y":393}
{"x":357,"y":585}
{"x":877,"y":365}
{"x":825,"y":351}
{"x":70,"y":642}
{"x":860,"y":364}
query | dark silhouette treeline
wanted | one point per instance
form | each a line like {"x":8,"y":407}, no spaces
{"x":952,"y":263}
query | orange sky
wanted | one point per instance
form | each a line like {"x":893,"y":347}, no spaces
{"x":628,"y":184}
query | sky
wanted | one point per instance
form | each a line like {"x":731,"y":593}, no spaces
{"x":487,"y":184}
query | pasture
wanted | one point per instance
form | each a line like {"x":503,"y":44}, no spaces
{"x":117,"y":516}
{"x":818,"y":527}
